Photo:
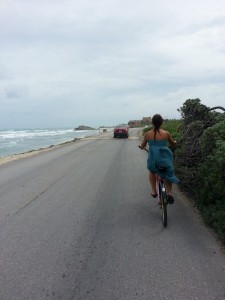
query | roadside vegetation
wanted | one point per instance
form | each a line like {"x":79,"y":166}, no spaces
{"x":199,"y":159}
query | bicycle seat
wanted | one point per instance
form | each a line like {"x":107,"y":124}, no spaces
{"x":161,"y":168}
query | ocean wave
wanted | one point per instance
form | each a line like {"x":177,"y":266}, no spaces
{"x":12,"y":134}
{"x":19,"y":141}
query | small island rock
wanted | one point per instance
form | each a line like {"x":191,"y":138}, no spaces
{"x":83,"y":127}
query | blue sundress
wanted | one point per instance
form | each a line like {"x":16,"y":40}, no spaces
{"x":160,"y":160}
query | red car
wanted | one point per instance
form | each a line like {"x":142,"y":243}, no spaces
{"x":121,"y":131}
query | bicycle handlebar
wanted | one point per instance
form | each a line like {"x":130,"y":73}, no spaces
{"x":143,"y":148}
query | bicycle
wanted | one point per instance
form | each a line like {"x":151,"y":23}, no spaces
{"x":161,"y":193}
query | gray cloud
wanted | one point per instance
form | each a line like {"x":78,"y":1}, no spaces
{"x":15,"y":92}
{"x":88,"y":61}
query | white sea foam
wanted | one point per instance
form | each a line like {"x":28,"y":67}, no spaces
{"x":11,"y":134}
{"x":17,"y":141}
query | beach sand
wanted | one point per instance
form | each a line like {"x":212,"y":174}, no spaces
{"x":6,"y":159}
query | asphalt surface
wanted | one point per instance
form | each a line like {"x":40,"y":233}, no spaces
{"x":78,"y":222}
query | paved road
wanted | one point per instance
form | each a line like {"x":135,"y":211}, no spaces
{"x":78,"y":223}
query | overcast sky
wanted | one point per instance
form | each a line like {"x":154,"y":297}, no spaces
{"x":105,"y":62}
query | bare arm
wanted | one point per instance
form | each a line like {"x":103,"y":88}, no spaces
{"x":144,"y":142}
{"x":170,"y":139}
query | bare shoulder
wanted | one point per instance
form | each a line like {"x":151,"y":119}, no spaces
{"x":147,"y":132}
{"x":167,"y":133}
{"x":164,"y":133}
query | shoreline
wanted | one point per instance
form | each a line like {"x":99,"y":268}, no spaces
{"x":9,"y":158}
{"x":17,"y":156}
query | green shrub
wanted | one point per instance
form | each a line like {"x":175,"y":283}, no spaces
{"x":211,"y":173}
{"x":200,"y":161}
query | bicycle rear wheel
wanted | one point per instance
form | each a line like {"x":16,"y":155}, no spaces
{"x":164,"y":213}
{"x":163,"y":203}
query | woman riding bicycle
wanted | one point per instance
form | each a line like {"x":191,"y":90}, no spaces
{"x":160,"y":157}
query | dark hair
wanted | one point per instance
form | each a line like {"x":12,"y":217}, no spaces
{"x":156,"y":122}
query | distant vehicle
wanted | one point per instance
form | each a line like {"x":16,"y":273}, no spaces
{"x":121,"y":131}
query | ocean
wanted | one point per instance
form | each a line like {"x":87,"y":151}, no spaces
{"x":15,"y":141}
